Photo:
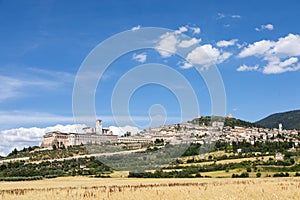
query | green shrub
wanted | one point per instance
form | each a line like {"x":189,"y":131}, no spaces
{"x":248,"y":169}
{"x":258,"y":174}
{"x":281,"y":174}
{"x":242,"y":175}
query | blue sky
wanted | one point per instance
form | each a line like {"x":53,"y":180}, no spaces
{"x":255,"y":44}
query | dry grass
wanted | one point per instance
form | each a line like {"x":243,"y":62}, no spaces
{"x":88,"y":188}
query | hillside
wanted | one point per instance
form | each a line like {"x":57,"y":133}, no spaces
{"x":206,"y":120}
{"x":289,"y":120}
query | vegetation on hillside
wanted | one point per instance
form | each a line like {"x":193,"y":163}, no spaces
{"x":47,"y":169}
{"x":194,"y":166}
{"x":36,"y":167}
{"x":36,"y":153}
{"x":256,"y":166}
{"x":289,"y":120}
{"x":207,"y":120}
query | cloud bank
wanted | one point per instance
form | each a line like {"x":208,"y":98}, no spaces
{"x":204,"y":55}
{"x":281,"y":55}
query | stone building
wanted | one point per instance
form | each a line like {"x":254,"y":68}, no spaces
{"x":89,"y":135}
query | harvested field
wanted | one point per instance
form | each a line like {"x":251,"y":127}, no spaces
{"x":113,"y":188}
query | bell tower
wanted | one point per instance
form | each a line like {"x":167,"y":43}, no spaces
{"x":99,"y":126}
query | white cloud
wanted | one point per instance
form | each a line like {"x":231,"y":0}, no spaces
{"x":28,"y":80}
{"x":136,"y":28}
{"x":287,"y":46}
{"x":195,"y":30}
{"x":235,"y":16}
{"x":281,"y":55}
{"x":223,"y":56}
{"x":257,"y":48}
{"x":243,"y":68}
{"x":140,"y":57}
{"x":186,"y":65}
{"x":288,"y":62}
{"x":188,"y":43}
{"x":269,"y":27}
{"x":122,"y":130}
{"x":206,"y":55}
{"x":222,"y":15}
{"x":241,"y":45}
{"x":12,"y":87}
{"x":67,"y":77}
{"x":226,"y":43}
{"x":276,"y":66}
{"x":167,"y":44}
{"x":181,"y":29}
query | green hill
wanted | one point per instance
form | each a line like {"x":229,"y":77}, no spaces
{"x":289,"y":120}
{"x":206,"y":120}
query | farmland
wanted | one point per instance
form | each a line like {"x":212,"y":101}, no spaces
{"x":124,"y":188}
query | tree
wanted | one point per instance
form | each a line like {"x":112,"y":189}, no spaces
{"x":292,"y":160}
{"x":258,"y":174}
{"x":30,"y":148}
{"x":248,"y":169}
{"x":127,"y":134}
{"x":159,"y":141}
{"x":15,"y":151}
{"x":244,"y":175}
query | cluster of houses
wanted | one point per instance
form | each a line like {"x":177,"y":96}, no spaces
{"x":173,"y":134}
{"x":193,"y":133}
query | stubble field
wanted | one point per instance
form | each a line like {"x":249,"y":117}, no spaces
{"x":117,"y":188}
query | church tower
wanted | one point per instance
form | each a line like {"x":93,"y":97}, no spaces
{"x":280,"y":127}
{"x":99,"y":126}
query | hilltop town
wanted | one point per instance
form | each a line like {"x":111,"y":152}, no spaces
{"x":200,"y":130}
{"x":206,"y":145}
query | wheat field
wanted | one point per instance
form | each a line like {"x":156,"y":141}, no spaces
{"x":117,"y":188}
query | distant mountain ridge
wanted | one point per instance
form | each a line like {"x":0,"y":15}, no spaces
{"x":289,"y":120}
